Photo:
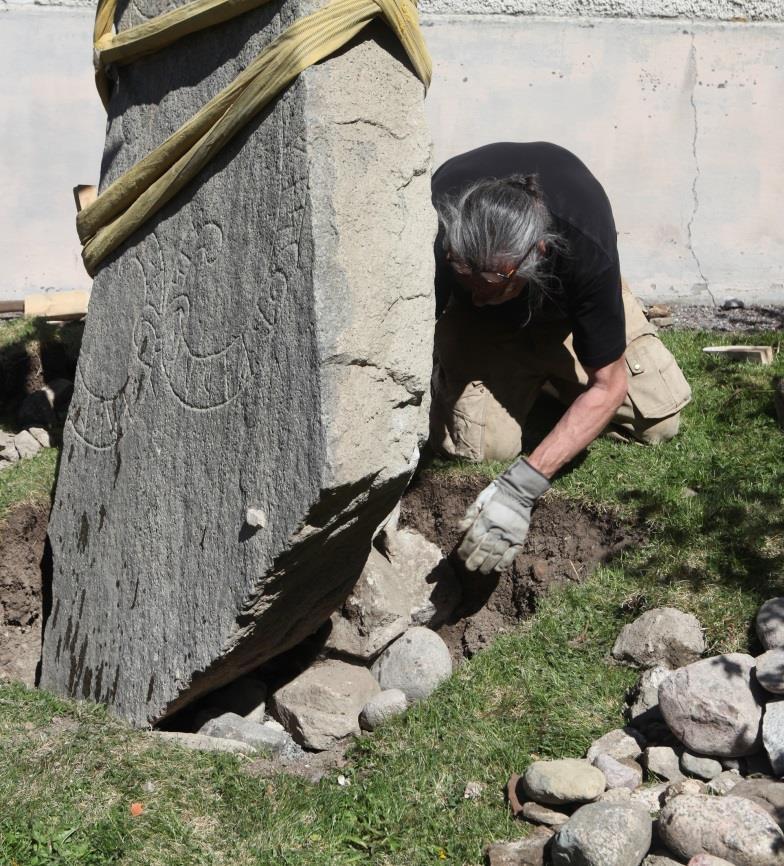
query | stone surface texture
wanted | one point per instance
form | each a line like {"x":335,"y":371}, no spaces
{"x":662,"y":761}
{"x":235,"y":727}
{"x":263,"y":342}
{"x":702,"y":768}
{"x":323,"y":703}
{"x":619,"y":743}
{"x":538,"y":814}
{"x":604,"y":834}
{"x":708,"y":860}
{"x":773,"y":734}
{"x":530,"y":851}
{"x":651,"y":797}
{"x":766,"y":793}
{"x":714,"y":706}
{"x":568,"y":780}
{"x":382,"y":707}
{"x":684,"y":786}
{"x":416,"y":663}
{"x":662,"y":636}
{"x":644,"y":707}
{"x":413,"y":585}
{"x":203,"y":742}
{"x":770,"y":623}
{"x":724,"y":782}
{"x":730,"y":827}
{"x":657,"y":860}
{"x":625,"y":773}
{"x":26,"y":444}
{"x":770,"y":671}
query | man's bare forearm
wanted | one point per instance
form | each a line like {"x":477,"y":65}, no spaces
{"x":583,"y":421}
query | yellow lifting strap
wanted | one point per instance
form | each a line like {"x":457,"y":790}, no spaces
{"x":144,"y":189}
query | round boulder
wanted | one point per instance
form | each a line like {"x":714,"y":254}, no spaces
{"x":416,"y":663}
{"x":730,"y":827}
{"x":604,"y":834}
{"x":770,"y":671}
{"x":568,"y":780}
{"x":662,"y":636}
{"x":770,"y":623}
{"x":714,"y":706}
{"x":383,"y":706}
{"x":702,"y":768}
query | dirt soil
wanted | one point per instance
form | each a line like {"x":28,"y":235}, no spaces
{"x":566,"y":542}
{"x":22,"y":537}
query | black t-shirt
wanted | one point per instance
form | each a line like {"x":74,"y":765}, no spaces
{"x":584,"y":280}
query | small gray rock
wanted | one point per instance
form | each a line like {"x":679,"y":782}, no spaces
{"x":773,"y":735}
{"x":770,"y":623}
{"x":625,"y":773}
{"x":714,"y":706}
{"x":651,"y":797}
{"x":663,"y":636}
{"x":568,"y":780}
{"x":383,"y":706}
{"x":723,"y":826}
{"x":603,"y":834}
{"x":770,"y":671}
{"x":702,"y":768}
{"x":235,"y":727}
{"x":416,"y":663}
{"x":538,"y":814}
{"x":530,"y":851}
{"x":619,"y":743}
{"x":662,"y":761}
{"x":26,"y":444}
{"x":203,"y":742}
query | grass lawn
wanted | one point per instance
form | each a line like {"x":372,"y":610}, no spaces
{"x":711,"y":502}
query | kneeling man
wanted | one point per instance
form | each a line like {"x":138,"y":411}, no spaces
{"x":529,"y":297}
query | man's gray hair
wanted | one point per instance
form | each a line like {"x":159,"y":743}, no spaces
{"x":497,"y":221}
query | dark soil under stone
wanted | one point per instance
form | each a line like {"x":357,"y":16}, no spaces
{"x":565,"y":543}
{"x":22,"y":540}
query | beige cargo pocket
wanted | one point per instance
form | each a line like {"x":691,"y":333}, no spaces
{"x":657,"y":387}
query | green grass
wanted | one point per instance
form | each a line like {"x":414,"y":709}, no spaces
{"x":546,"y":690}
{"x":29,"y":480}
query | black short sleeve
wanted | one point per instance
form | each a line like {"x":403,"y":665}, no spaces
{"x":598,"y":321}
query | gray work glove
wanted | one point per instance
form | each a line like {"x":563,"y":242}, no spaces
{"x":497,"y":522}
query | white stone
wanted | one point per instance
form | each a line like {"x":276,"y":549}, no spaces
{"x":663,"y":636}
{"x":416,"y":663}
{"x":651,"y":796}
{"x":41,"y":436}
{"x":322,"y":704}
{"x":26,"y":444}
{"x":412,"y":585}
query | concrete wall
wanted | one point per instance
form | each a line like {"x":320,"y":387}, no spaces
{"x":679,"y":119}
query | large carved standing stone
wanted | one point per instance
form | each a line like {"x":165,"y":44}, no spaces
{"x":264,"y":343}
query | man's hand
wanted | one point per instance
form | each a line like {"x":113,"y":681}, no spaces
{"x":497,"y":522}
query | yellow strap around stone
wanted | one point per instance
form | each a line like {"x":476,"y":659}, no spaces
{"x":143,"y":190}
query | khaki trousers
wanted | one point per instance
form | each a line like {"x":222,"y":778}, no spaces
{"x":486,"y":378}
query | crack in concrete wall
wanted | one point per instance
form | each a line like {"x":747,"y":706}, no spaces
{"x":693,"y":82}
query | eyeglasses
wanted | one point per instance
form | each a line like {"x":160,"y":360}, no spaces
{"x":468,"y":269}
